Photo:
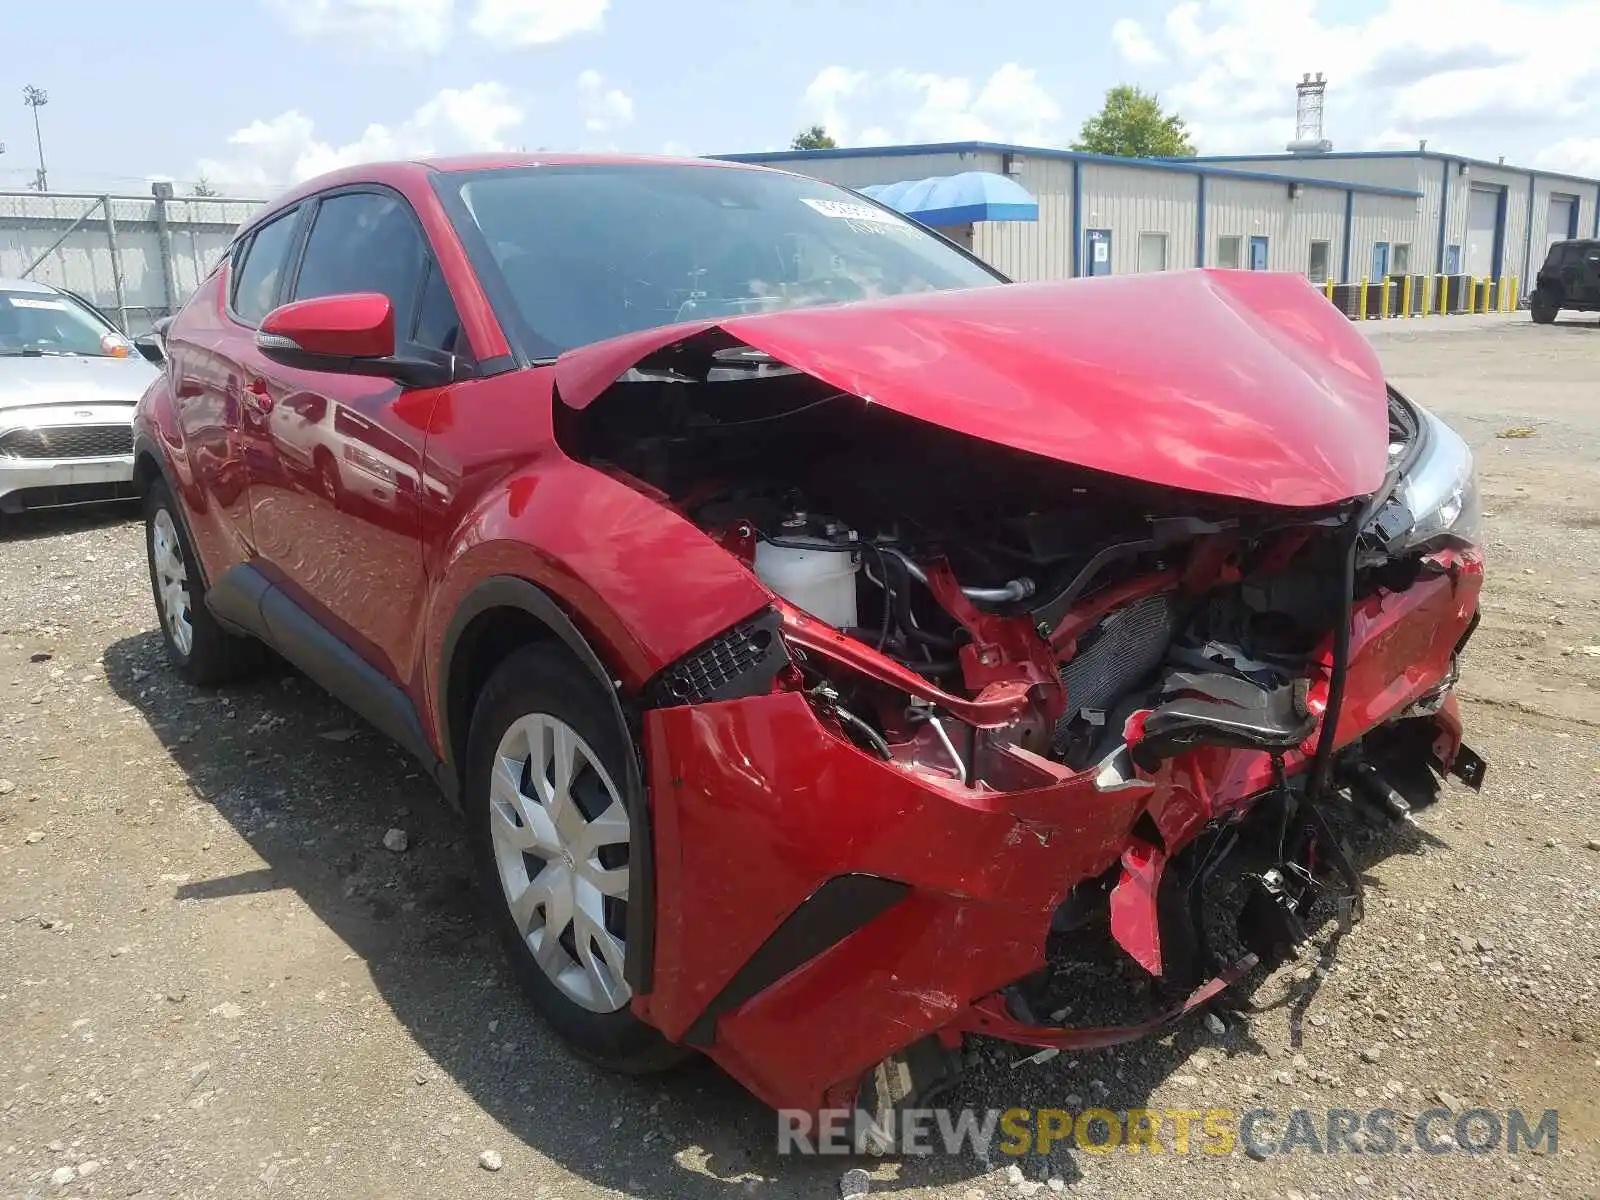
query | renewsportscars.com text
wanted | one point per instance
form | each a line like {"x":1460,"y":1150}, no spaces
{"x":1259,"y":1132}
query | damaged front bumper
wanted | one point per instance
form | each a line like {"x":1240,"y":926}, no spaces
{"x":820,"y":911}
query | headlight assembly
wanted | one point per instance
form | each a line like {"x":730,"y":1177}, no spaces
{"x":1439,"y":493}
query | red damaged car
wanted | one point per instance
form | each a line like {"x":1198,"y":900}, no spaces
{"x":831,"y":646}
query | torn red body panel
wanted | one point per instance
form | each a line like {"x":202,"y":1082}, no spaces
{"x":1134,"y":921}
{"x":764,"y":806}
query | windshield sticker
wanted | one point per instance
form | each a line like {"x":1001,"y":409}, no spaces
{"x":844,"y":210}
{"x":30,"y":302}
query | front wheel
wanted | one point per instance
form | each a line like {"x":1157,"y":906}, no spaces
{"x":1542,"y":309}
{"x":546,"y":769}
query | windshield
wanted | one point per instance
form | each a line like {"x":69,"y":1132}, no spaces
{"x":589,"y":252}
{"x":50,"y":323}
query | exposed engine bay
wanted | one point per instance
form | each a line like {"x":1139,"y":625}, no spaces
{"x":967,"y":563}
{"x":993,"y":621}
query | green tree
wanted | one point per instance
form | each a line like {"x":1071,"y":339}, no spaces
{"x":1132,"y":124}
{"x":202,"y":187}
{"x":814,"y":138}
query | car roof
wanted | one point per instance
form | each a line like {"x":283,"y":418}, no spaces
{"x":25,"y":285}
{"x":1575,"y":242}
{"x":398,"y":172}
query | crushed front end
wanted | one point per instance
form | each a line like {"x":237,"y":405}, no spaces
{"x":1008,"y":719}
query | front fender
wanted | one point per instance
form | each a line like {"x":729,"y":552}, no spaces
{"x":628,"y":586}
{"x":643,"y":584}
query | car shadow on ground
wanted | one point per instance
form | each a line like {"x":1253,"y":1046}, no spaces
{"x":312,"y":791}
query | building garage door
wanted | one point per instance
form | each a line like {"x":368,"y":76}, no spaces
{"x":1483,"y":221}
{"x":1563,"y":221}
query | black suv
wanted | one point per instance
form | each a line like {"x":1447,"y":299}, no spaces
{"x":1570,"y":278}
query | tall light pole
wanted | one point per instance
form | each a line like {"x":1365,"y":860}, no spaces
{"x":36,"y":98}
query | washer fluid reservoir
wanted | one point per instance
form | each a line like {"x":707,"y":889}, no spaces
{"x":813,"y":574}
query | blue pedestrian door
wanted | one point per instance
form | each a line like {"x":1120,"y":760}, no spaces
{"x":1099,"y":254}
{"x":1380,"y":260}
{"x":1258,"y":254}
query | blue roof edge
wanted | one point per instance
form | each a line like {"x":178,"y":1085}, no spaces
{"x":1183,"y":165}
{"x":1435,"y":155}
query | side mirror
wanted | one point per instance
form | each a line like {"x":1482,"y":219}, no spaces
{"x":349,"y":335}
{"x":151,"y":347}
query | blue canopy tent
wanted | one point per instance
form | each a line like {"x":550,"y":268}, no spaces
{"x":957,"y":199}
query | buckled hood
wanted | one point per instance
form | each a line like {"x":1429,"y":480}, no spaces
{"x":1242,"y":384}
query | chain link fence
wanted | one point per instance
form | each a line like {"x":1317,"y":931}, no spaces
{"x":135,"y":258}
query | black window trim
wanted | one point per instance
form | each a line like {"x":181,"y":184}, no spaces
{"x":404,"y":338}
{"x":240,"y":252}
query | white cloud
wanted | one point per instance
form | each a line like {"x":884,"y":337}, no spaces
{"x":277,"y":151}
{"x":604,"y":109}
{"x":1478,"y":77}
{"x":408,"y":25}
{"x":919,"y":106}
{"x":425,"y":25}
{"x":1135,"y":44}
{"x":1580,"y":155}
{"x":825,"y":97}
{"x":536,"y":22}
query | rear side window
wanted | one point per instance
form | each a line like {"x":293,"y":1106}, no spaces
{"x":258,"y":278}
{"x":365,"y":242}
{"x":1561,"y":254}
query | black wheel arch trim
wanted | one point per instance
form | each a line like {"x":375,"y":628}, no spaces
{"x":510,"y":591}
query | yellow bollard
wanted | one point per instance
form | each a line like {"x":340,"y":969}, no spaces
{"x":1362,"y":310}
{"x":1470,"y":294}
{"x":1483,"y":294}
{"x":1388,"y":284}
{"x":1405,"y":296}
{"x":1327,"y":289}
{"x":1516,"y":287}
{"x":1430,"y":294}
{"x":1505,"y":293}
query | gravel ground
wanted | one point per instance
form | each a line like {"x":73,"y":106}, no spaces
{"x":216,"y":978}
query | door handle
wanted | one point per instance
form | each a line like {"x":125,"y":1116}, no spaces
{"x":257,"y":398}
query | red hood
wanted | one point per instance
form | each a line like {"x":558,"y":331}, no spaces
{"x":1235,"y":383}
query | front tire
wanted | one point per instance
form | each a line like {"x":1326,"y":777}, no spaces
{"x":201,"y":650}
{"x":550,"y":818}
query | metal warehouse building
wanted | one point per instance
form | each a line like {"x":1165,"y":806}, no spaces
{"x":1332,"y":216}
{"x":1475,"y":218}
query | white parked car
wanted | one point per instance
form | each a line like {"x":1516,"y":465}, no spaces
{"x":68,"y":382}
